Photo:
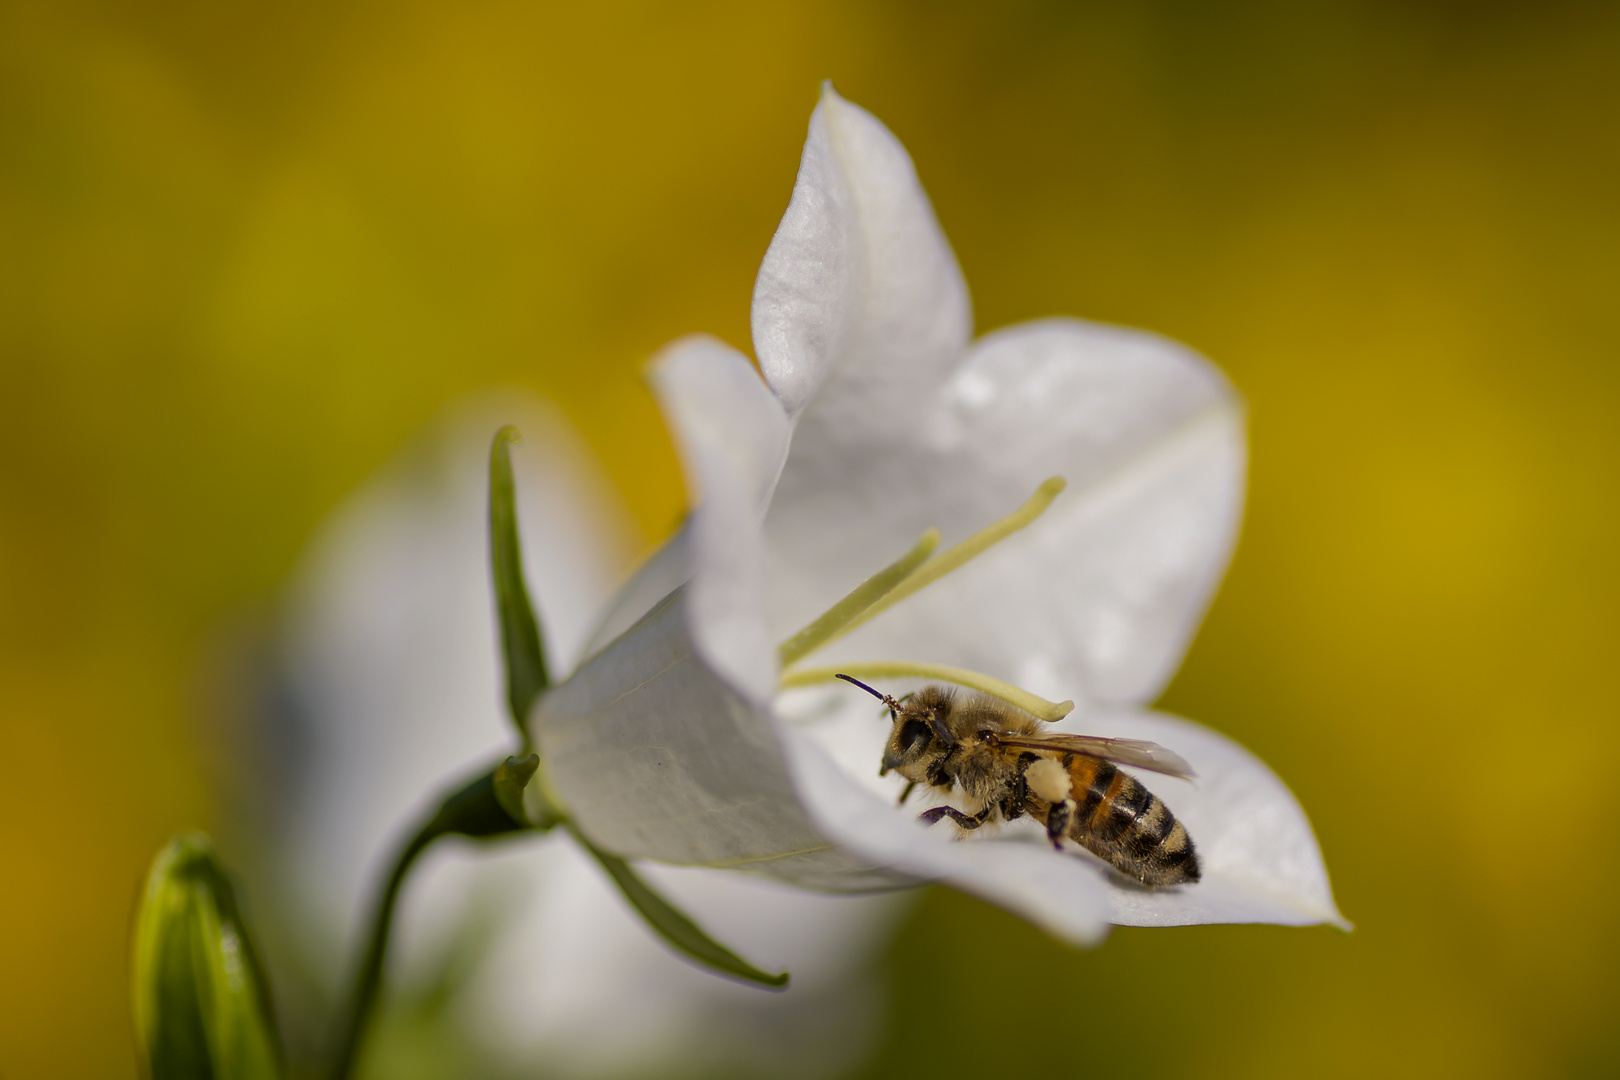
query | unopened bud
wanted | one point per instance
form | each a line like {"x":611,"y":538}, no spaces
{"x":202,"y":1004}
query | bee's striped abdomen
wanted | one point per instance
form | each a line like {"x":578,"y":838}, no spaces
{"x":1122,"y":822}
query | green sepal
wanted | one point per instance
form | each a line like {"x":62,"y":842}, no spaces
{"x":526,"y":678}
{"x":511,"y":777}
{"x":526,"y":674}
{"x":674,"y":926}
{"x":202,"y":1002}
{"x":489,"y":805}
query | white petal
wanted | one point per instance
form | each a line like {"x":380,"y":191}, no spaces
{"x":1063,"y":896}
{"x":392,"y":688}
{"x":732,"y":436}
{"x":807,"y":294}
{"x":1260,"y":859}
{"x":1098,"y":599}
{"x":859,"y":303}
{"x":661,"y":745}
{"x":660,"y":574}
{"x":657,"y":757}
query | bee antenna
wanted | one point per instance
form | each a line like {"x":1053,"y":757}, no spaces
{"x":852,"y":679}
{"x":885,"y":698}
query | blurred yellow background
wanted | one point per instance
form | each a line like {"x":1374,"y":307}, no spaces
{"x":247,"y":251}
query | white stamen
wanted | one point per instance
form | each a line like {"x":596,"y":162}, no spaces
{"x":838,"y":617}
{"x":902,"y":578}
{"x":955,"y":557}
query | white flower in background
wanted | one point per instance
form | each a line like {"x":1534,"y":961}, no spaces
{"x":878,"y":418}
{"x":396,"y":691}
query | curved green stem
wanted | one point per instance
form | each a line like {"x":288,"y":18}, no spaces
{"x":368,"y":981}
{"x":488,"y":806}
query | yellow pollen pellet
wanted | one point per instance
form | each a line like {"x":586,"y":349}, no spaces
{"x":1048,"y":779}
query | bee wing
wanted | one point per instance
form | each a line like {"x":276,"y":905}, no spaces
{"x":1143,"y":755}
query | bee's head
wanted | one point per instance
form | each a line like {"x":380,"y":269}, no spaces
{"x":919,"y":725}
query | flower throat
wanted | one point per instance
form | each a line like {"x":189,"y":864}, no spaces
{"x":907,"y":575}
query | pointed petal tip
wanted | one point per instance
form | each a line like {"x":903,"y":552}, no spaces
{"x":671,"y":352}
{"x":1326,"y":914}
{"x":1328,"y":917}
{"x":838,"y":110}
{"x":1332,"y":917}
{"x":831,"y":99}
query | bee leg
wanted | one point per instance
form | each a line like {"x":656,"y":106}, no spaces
{"x":1057,"y":821}
{"x":911,"y":785}
{"x":1012,"y":807}
{"x":966,"y":821}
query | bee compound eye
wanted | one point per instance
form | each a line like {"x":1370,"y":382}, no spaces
{"x":912,"y":735}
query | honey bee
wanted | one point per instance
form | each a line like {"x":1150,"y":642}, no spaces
{"x":1006,"y":765}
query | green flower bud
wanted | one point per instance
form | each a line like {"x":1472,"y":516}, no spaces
{"x":202,"y":1004}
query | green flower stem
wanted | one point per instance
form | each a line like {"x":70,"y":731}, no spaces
{"x":363,"y":999}
{"x":479,"y":810}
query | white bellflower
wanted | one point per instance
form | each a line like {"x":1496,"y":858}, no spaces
{"x":682,"y":738}
{"x":693,"y":734}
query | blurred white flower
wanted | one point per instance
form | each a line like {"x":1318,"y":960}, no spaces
{"x":878,"y":418}
{"x":392,"y":668}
